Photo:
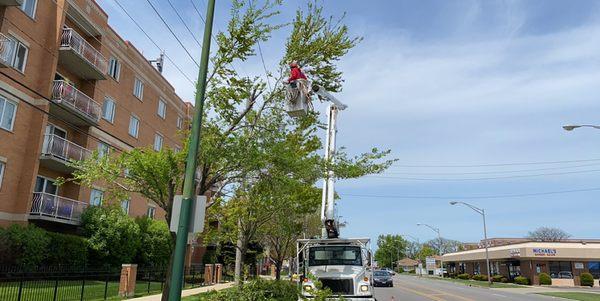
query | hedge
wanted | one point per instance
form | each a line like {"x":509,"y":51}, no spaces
{"x":480,"y":277}
{"x":521,"y":280}
{"x":499,"y":278}
{"x":545,"y":279}
{"x":587,"y":279}
{"x":464,"y":276}
{"x":259,"y":290}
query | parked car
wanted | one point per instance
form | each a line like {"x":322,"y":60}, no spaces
{"x":389,"y":271}
{"x":382,"y":278}
{"x":565,"y":275}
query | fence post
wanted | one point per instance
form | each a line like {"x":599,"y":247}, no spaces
{"x":127,"y":283}
{"x":20,"y":288}
{"x":82,"y":286}
{"x":55,"y":289}
{"x":106,"y":287}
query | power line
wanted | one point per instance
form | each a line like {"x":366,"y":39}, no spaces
{"x":487,"y":178}
{"x":184,"y":24}
{"x":489,"y":172}
{"x":497,"y":164}
{"x":173,"y":33}
{"x":500,"y":196}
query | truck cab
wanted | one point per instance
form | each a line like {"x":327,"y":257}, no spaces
{"x":342,"y":265}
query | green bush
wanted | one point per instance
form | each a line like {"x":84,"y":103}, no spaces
{"x":464,"y":276}
{"x":412,"y":271}
{"x":480,"y":277}
{"x":259,"y":290}
{"x":66,"y":249}
{"x":400,"y":270}
{"x":521,"y":280}
{"x":113,"y":237}
{"x":587,"y":279}
{"x":23,"y":245}
{"x":497,"y":278}
{"x":545,"y":279}
{"x":156,"y":242}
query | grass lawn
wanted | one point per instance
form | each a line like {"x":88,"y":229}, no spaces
{"x":71,"y":290}
{"x":479,"y":283}
{"x":575,"y":296}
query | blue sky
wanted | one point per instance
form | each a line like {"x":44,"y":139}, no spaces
{"x":448,"y":84}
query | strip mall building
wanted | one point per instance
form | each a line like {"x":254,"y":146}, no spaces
{"x":563,"y":261}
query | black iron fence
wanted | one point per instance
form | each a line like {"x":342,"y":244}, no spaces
{"x":85,"y":283}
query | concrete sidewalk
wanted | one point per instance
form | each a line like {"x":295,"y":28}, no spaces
{"x":546,"y":289}
{"x":189,"y":292}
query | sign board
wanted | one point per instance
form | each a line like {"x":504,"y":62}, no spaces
{"x":197,"y":218}
{"x":515,"y":252}
{"x":544,"y":252}
{"x":430,"y":260}
{"x":579,"y":265}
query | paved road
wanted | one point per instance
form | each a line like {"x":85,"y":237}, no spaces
{"x":411,"y":288}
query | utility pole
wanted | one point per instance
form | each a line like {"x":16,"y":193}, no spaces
{"x":191,"y":163}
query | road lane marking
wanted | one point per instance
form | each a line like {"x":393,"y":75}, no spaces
{"x":428,"y":296}
{"x":437,"y":291}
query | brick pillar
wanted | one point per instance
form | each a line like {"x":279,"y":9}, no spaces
{"x":218,"y":272}
{"x":208,"y":274}
{"x":127,"y":283}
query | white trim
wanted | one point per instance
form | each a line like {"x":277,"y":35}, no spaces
{"x":162,"y":141}
{"x":3,"y":159}
{"x":34,"y":9}
{"x":164,"y":113}
{"x":137,"y":129}
{"x":114,"y":107}
{"x":19,"y":38}
{"x":2,"y":169}
{"x":15,"y":217}
{"x":14,"y":117}
{"x":109,"y":139}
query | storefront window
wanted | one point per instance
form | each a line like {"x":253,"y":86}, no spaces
{"x":462,"y":267}
{"x":594,"y":268}
{"x":476,"y":269}
{"x":561,"y":269}
{"x":495,"y":268}
{"x":514,"y":269}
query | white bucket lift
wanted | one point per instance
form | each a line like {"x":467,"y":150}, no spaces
{"x":298,"y":98}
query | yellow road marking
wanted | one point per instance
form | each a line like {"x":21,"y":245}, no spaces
{"x":428,"y":296}
{"x":439,"y":293}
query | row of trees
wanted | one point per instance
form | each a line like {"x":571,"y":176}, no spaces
{"x":260,"y":166}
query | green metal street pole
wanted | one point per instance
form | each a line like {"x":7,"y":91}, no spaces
{"x":190,"y":169}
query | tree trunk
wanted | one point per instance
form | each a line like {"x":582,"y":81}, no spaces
{"x":278,"y":264}
{"x":240,"y":252}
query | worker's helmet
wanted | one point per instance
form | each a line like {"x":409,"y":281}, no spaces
{"x":294,"y":64}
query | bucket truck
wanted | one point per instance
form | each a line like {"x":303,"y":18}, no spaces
{"x":341,"y":264}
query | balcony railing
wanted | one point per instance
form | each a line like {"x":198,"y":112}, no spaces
{"x":72,"y":40}
{"x":56,"y":208}
{"x":64,"y":93}
{"x":7,"y":49}
{"x":63,"y":149}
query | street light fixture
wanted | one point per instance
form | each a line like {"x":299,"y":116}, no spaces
{"x":436,"y":230}
{"x":485,"y":239}
{"x":571,"y":127}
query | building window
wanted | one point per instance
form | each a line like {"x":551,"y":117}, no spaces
{"x":96,"y":197}
{"x":162,"y":109}
{"x":125,"y":205}
{"x":179,"y":122}
{"x":134,"y":125}
{"x":2,"y":166}
{"x":561,"y":269}
{"x":45,"y":185}
{"x":18,"y":55}
{"x":151,"y":212}
{"x":593,"y":266}
{"x":158,"y":142}
{"x":8,"y":110}
{"x":108,"y":109}
{"x":28,"y":7}
{"x":103,"y":149}
{"x":138,"y":89}
{"x":114,"y":68}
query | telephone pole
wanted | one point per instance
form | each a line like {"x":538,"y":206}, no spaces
{"x":191,"y":162}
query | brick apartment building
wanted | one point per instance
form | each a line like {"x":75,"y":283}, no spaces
{"x":69,"y":85}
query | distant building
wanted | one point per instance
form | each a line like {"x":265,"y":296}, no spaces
{"x":564,"y":261}
{"x":407,"y":264}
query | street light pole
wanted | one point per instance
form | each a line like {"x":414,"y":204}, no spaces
{"x":571,"y":127}
{"x":485,"y":239}
{"x":437,"y":230}
{"x":176,"y":279}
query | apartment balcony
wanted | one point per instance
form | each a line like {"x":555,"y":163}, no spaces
{"x":74,"y":105}
{"x":11,"y":2}
{"x":55,"y":208}
{"x":7,"y":48}
{"x":57,"y":152}
{"x":80,"y":57}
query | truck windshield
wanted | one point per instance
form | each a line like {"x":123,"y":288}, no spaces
{"x":334,"y":255}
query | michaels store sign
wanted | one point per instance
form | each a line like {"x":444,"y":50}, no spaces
{"x":544,"y":252}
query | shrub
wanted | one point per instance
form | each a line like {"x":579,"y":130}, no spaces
{"x":545,"y":279}
{"x":113,"y":237}
{"x":587,"y":279}
{"x":23,"y":245}
{"x":412,"y":271}
{"x":464,"y":276}
{"x":400,"y":270}
{"x":66,"y":249}
{"x":259,"y":290}
{"x":497,"y":278}
{"x":156,"y":242}
{"x":521,"y":280}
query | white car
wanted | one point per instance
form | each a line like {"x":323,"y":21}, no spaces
{"x":389,"y":271}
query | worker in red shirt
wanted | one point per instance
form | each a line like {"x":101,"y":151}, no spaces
{"x":295,"y":73}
